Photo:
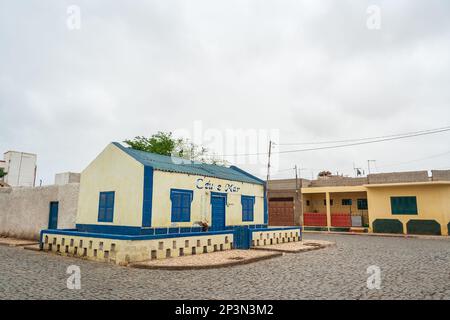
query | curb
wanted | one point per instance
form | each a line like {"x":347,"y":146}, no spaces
{"x":17,"y":244}
{"x":413,"y":236}
{"x":311,"y":247}
{"x":139,"y":265}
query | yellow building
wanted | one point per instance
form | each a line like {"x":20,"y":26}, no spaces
{"x":134,"y":192}
{"x":135,"y":205}
{"x":400,"y":202}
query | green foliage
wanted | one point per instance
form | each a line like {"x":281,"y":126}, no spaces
{"x":2,"y":173}
{"x":160,"y":143}
{"x":163,"y":143}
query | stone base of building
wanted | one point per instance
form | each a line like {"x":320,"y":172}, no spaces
{"x":123,"y":250}
{"x":275,"y":236}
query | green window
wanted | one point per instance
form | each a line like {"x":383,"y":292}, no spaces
{"x":362,"y":204}
{"x":404,"y":205}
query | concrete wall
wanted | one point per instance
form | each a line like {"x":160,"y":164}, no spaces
{"x":67,"y":177}
{"x":441,"y":175}
{"x":398,"y":177}
{"x":337,"y":181}
{"x":24,"y":212}
{"x":432,"y":203}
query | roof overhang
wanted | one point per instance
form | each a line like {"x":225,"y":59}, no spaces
{"x":334,"y":189}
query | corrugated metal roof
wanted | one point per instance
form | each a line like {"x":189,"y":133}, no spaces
{"x":175,"y":164}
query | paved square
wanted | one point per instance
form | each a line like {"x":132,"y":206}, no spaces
{"x":410,"y":269}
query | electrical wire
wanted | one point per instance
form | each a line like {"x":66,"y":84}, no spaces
{"x":418,"y":133}
{"x":361,"y":139}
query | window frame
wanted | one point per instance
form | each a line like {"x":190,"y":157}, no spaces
{"x":350,"y":202}
{"x":248,"y":213}
{"x":105,"y":206}
{"x":181,"y":216}
{"x":358,"y":201}
{"x":411,"y":209}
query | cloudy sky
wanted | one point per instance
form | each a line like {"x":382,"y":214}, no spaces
{"x":302,"y":71}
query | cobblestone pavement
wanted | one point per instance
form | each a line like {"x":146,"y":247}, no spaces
{"x":410,"y":269}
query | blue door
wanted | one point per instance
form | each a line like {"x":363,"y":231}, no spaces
{"x":218,"y":211}
{"x":53,"y":216}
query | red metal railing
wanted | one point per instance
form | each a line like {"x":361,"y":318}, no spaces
{"x":341,"y":220}
{"x":315,"y":219}
{"x":319,"y":219}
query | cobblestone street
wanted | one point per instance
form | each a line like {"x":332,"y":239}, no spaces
{"x":410,"y":269}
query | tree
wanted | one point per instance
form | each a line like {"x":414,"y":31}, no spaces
{"x":163,"y":143}
{"x":160,"y":143}
{"x":2,"y":173}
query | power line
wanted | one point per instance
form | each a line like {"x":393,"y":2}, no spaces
{"x":361,"y":139}
{"x":415,"y":160}
{"x":419,"y":133}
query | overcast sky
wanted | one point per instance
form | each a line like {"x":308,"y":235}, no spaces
{"x":304,"y":70}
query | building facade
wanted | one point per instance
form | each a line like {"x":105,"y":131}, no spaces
{"x":402,"y":202}
{"x":20,"y":168}
{"x":129,"y":190}
{"x":135,"y":206}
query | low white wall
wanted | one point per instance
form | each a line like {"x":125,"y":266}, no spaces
{"x":24,"y":212}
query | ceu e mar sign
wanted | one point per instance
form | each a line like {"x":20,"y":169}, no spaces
{"x":228,"y":187}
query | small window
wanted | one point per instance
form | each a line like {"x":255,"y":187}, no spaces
{"x":404,"y":205}
{"x":325,"y":202}
{"x":346,"y":202}
{"x":248,"y":205}
{"x":106,"y":207}
{"x":181,"y":205}
{"x":362,"y":204}
{"x":308,"y":203}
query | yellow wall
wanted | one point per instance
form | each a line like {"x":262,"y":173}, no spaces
{"x":201,"y":207}
{"x":316,"y":202}
{"x":432,"y":203}
{"x":112,"y":170}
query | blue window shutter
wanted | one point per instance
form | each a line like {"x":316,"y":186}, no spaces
{"x":248,"y":203}
{"x":181,"y":205}
{"x":106,"y":206}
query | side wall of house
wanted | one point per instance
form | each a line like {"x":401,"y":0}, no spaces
{"x":201,"y":202}
{"x":24,"y":212}
{"x":432,"y":204}
{"x":112,"y":170}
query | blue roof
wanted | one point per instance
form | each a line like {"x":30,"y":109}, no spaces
{"x":175,"y":164}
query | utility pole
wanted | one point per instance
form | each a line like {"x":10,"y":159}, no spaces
{"x":298,"y":195}
{"x":267,"y":180}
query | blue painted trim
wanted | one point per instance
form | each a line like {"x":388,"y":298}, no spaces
{"x":266,"y":206}
{"x":219,"y":194}
{"x":247,"y":174}
{"x":172,"y":213}
{"x":70,"y":232}
{"x":148,"y":197}
{"x":128,"y":230}
{"x":113,"y":229}
{"x":107,"y":194}
{"x":251,"y":217}
{"x":277,"y":229}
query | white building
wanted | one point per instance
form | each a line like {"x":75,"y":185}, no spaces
{"x":20,"y":168}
